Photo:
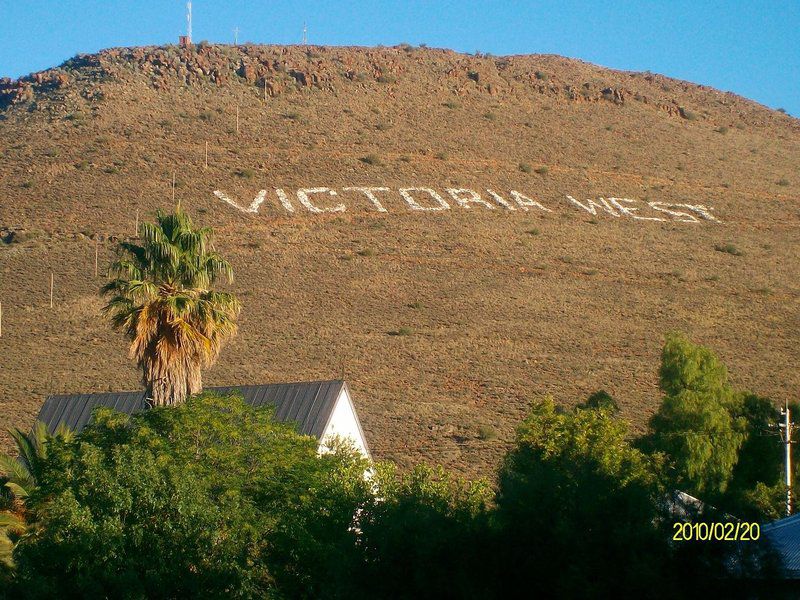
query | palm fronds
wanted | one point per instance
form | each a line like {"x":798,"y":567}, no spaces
{"x":160,"y":295}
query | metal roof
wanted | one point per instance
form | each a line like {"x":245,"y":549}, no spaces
{"x":784,"y":535}
{"x":310,"y":404}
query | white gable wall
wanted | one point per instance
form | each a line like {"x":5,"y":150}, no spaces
{"x":344,"y":423}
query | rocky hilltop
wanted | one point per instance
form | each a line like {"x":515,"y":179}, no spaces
{"x":274,"y":70}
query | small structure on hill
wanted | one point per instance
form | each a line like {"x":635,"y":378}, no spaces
{"x":323,"y":409}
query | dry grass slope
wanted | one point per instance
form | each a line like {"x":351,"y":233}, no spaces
{"x":446,"y":326}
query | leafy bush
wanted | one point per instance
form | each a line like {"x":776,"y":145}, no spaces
{"x":486,"y":432}
{"x":372,"y":159}
{"x":212,"y":498}
{"x":728,"y":249}
{"x":575,"y":485}
{"x":426,"y":538}
{"x":402,"y":331}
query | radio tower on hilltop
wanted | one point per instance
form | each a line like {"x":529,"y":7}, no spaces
{"x":189,"y":22}
{"x":186,"y":40}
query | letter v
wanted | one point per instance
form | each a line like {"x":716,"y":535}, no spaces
{"x":253,"y":208}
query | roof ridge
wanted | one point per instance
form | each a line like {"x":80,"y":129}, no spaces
{"x":205,"y":389}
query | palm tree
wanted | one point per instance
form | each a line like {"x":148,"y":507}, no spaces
{"x":19,"y":477}
{"x":160,"y":297}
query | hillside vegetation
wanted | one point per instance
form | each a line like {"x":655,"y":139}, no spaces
{"x":444,"y":324}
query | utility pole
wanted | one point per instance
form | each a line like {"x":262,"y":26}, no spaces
{"x":786,"y":437}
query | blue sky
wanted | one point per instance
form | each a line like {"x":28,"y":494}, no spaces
{"x":751,"y":47}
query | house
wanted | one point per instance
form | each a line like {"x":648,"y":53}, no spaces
{"x":322,"y":409}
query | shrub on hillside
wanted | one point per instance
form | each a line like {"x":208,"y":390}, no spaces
{"x":372,"y":159}
{"x":728,"y":249}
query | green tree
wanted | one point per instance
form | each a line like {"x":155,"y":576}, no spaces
{"x":425,"y":536}
{"x":601,"y":399}
{"x":578,"y":507}
{"x":209,"y":499}
{"x":699,"y":424}
{"x":757,"y":490}
{"x":161,"y":296}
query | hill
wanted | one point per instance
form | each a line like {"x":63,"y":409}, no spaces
{"x":445,"y":323}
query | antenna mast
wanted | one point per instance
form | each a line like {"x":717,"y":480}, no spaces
{"x":305,"y":34}
{"x":189,"y":22}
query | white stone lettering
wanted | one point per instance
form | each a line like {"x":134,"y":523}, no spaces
{"x":525,"y":202}
{"x":253,"y":208}
{"x":369,"y":192}
{"x":703,"y":211}
{"x":406,"y":194}
{"x":630,"y":211}
{"x":468,"y":198}
{"x":284,"y":199}
{"x":679,"y":216}
{"x":500,"y":200}
{"x":303,"y":196}
{"x":458,"y":194}
{"x":591,"y":206}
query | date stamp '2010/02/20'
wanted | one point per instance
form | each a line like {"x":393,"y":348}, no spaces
{"x":717,"y":532}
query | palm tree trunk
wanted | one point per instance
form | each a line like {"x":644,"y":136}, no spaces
{"x":166,"y":385}
{"x":171,"y":385}
{"x":195,"y":379}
